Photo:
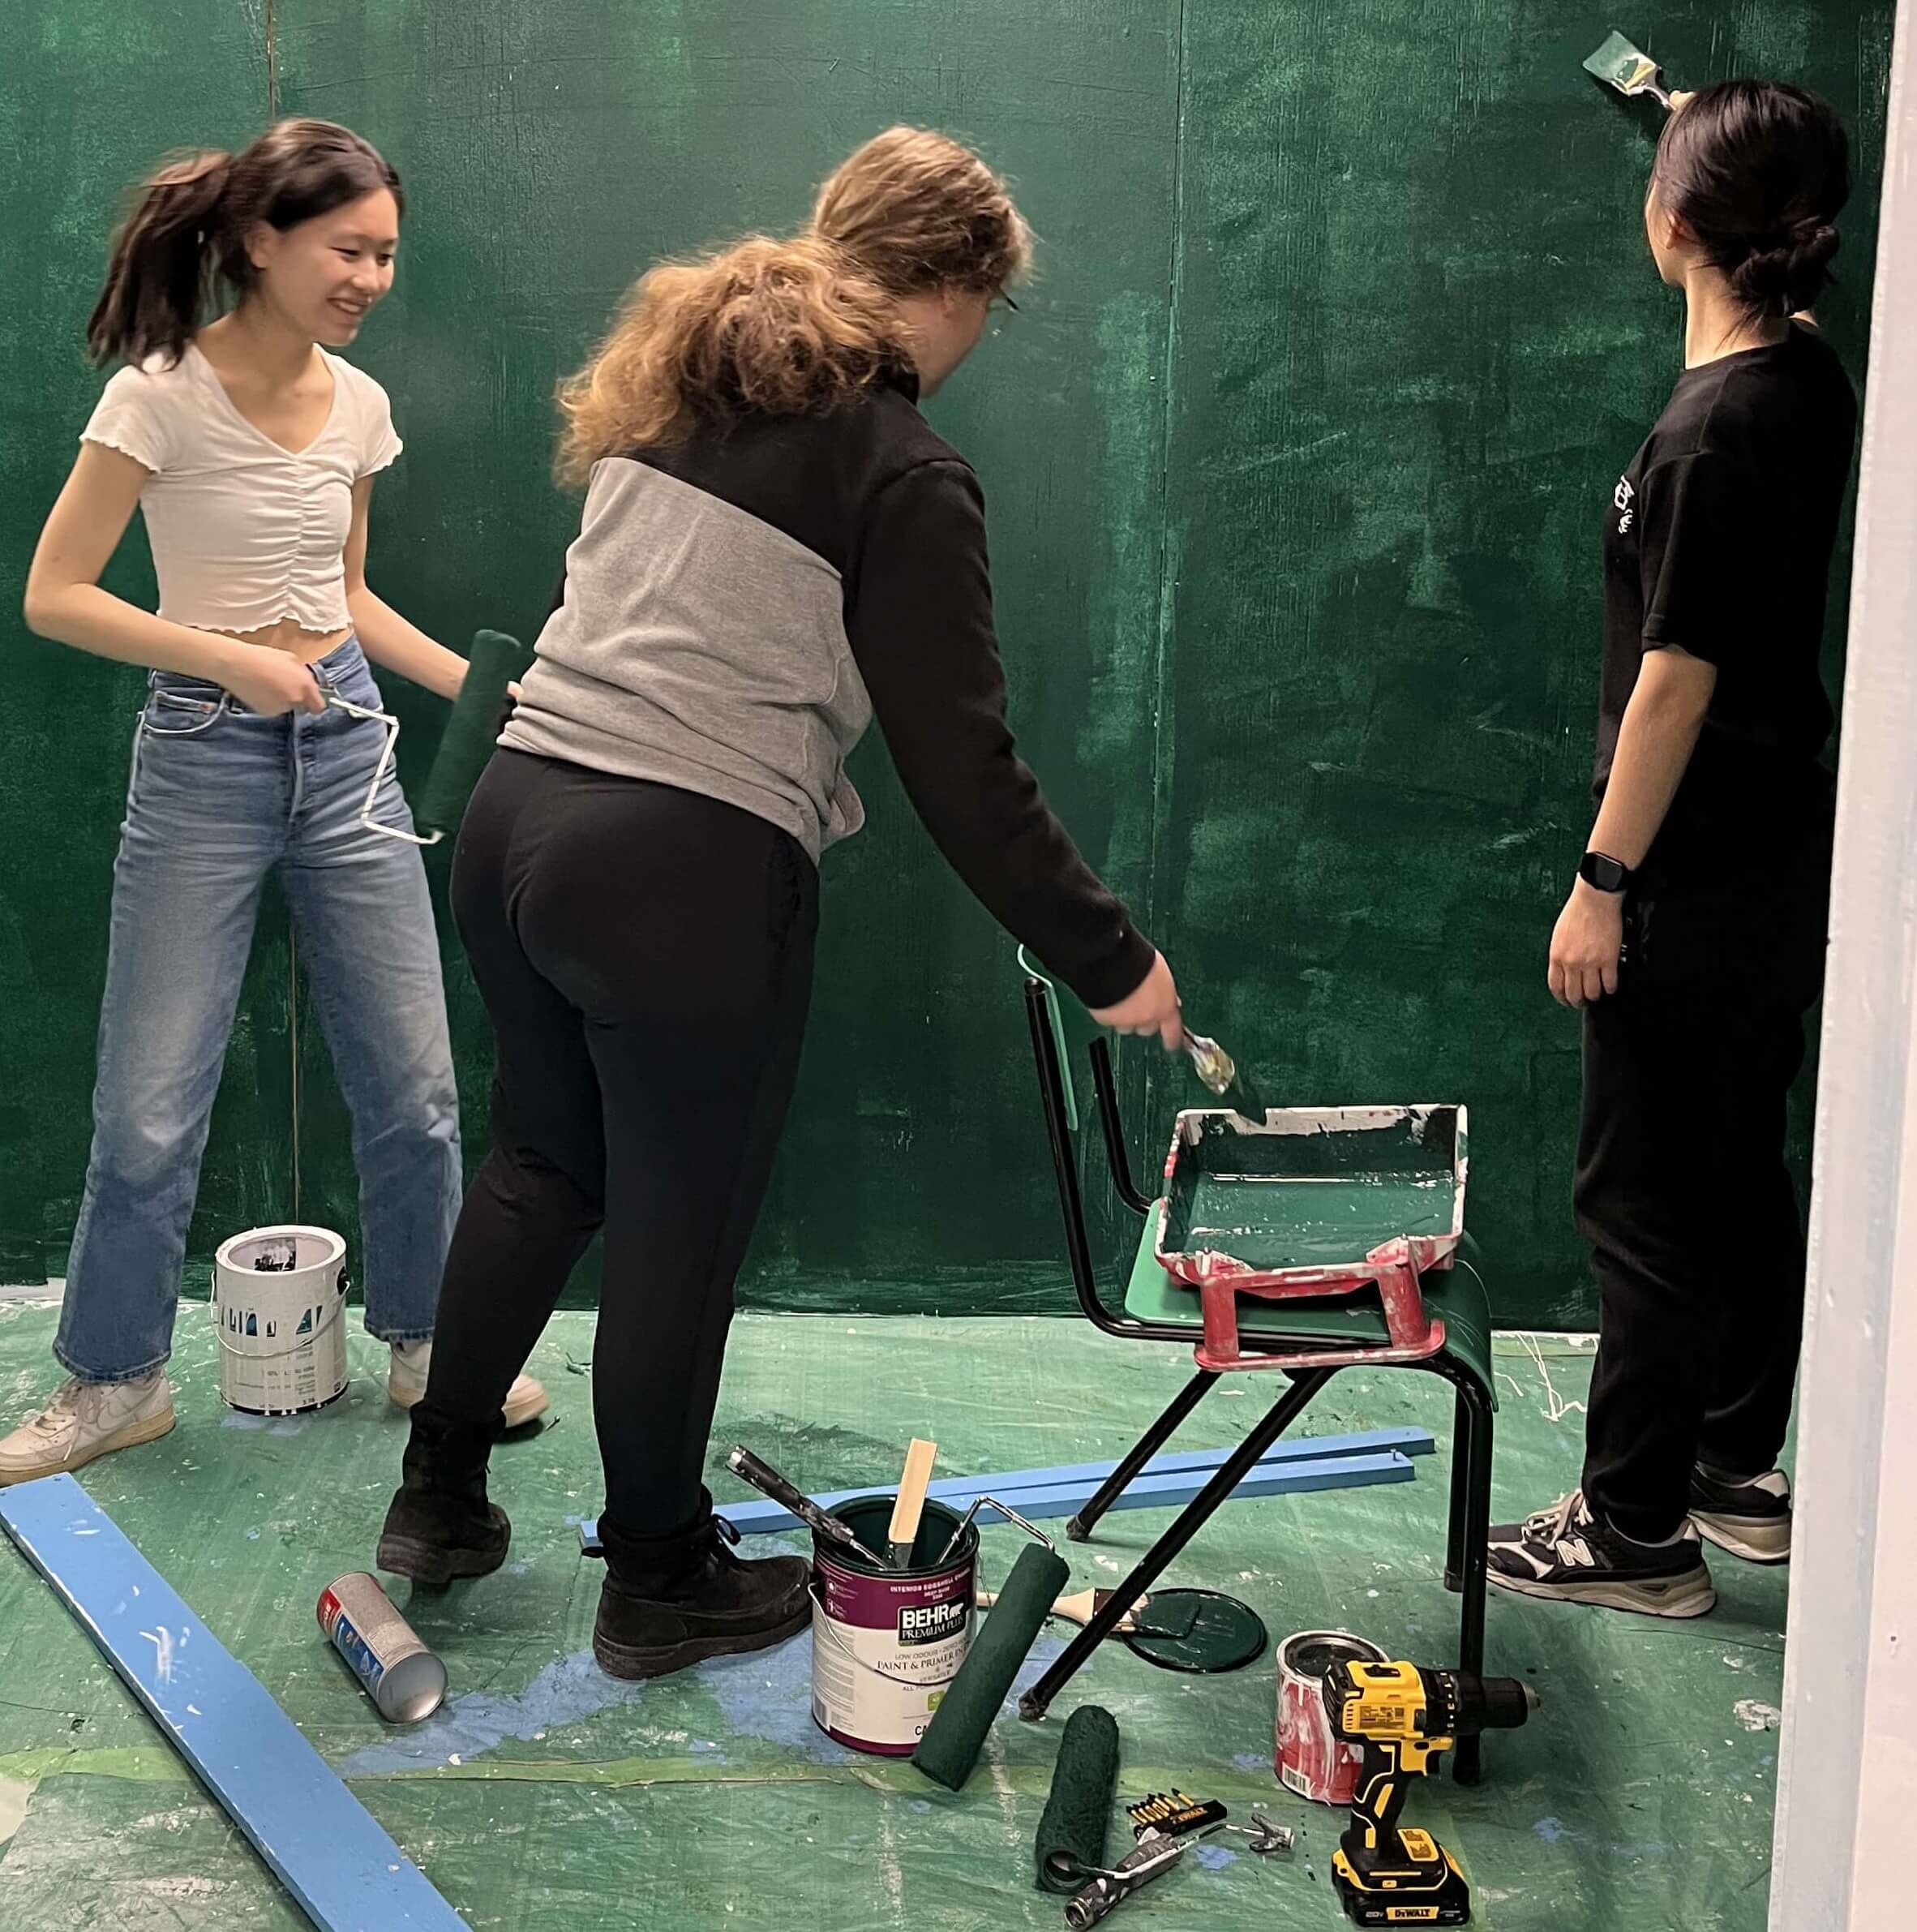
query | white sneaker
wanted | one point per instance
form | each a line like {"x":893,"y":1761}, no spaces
{"x":84,"y":1420}
{"x":526,"y":1400}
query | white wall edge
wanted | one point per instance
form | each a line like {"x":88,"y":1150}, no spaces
{"x":1847,"y":1765}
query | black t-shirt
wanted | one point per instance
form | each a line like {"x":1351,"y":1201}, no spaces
{"x":1718,"y":539}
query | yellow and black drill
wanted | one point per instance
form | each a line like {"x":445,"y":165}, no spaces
{"x":1401,"y":1715}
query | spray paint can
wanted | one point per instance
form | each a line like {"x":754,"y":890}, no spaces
{"x":404,"y":1680}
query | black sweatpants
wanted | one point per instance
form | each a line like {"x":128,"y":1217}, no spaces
{"x":1682,"y":1193}
{"x":646,"y":957}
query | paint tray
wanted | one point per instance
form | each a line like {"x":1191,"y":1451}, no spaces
{"x":1314,"y":1204}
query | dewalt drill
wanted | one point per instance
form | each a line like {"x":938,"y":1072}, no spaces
{"x":1401,"y":1715}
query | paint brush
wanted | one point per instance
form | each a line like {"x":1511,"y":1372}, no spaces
{"x":1080,"y":1609}
{"x":766,"y":1479}
{"x":1220,"y":1072}
{"x":909,"y":1506}
{"x":1619,"y":65}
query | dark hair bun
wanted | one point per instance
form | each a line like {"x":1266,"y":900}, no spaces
{"x":1793,"y":272}
{"x":1757,"y":170}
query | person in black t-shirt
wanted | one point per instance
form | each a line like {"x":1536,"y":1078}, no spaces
{"x":1693,"y":940}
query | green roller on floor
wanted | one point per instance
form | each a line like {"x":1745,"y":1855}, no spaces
{"x":953,"y":1740}
{"x":496,"y":661}
{"x":1071,"y":1834}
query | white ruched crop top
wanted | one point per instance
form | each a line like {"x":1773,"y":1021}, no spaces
{"x":244,"y":532}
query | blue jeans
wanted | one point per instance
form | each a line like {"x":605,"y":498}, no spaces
{"x":219,"y":796}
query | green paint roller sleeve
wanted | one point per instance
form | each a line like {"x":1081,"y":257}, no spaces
{"x":953,"y":1740}
{"x":496,"y":661}
{"x":1071,"y":1834}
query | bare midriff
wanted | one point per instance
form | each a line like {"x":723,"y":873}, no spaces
{"x":293,"y":637}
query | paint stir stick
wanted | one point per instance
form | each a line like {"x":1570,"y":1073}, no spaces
{"x":911,"y":1502}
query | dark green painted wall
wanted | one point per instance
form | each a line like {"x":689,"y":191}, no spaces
{"x":1294,"y":457}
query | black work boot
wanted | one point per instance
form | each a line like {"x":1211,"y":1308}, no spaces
{"x":439,"y":1525}
{"x":672,"y":1600}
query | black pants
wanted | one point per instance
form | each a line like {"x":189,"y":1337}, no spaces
{"x":646,"y":957}
{"x":1683,"y":1195}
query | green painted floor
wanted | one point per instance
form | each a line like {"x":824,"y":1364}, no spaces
{"x":547,"y":1797}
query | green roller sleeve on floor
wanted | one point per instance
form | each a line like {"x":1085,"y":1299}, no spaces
{"x":952,"y":1741}
{"x":497,"y":660}
{"x":1071,"y":1834}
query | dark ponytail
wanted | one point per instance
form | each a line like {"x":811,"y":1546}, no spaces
{"x":158,"y":271}
{"x":190,"y":224}
{"x":1757,"y":171}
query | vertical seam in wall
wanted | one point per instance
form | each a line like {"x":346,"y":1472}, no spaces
{"x":292,"y":1048}
{"x":1162,"y":720}
{"x":272,"y":113}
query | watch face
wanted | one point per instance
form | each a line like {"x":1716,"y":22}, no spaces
{"x":1607,"y":875}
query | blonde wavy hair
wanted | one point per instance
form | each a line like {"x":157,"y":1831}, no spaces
{"x":791,"y":326}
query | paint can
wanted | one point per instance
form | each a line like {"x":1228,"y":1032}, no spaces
{"x":887,"y":1644}
{"x":1310,"y":1760}
{"x":280,"y":1307}
{"x":404,"y":1680}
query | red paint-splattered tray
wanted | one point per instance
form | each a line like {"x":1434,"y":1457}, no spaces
{"x":1316,"y":1203}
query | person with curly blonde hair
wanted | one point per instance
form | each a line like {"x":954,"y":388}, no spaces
{"x":775,"y":548}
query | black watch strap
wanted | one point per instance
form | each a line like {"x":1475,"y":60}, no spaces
{"x":1607,"y":874}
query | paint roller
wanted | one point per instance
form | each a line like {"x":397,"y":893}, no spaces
{"x":956,"y":1734}
{"x":1071,"y":1846}
{"x":495,"y":662}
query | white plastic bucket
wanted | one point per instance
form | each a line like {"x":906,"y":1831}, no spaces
{"x":282,"y":1330}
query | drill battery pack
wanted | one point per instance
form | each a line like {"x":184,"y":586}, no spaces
{"x":1416,"y":1883}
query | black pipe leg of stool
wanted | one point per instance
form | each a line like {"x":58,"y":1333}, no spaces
{"x":1141,"y":1451}
{"x":1184,"y":1526}
{"x":1460,"y":1492}
{"x":1478,"y":1539}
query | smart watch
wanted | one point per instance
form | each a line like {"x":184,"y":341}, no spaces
{"x":1604,"y":873}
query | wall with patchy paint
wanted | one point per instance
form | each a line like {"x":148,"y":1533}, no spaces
{"x":1294,"y":462}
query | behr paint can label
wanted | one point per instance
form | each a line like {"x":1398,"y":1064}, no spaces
{"x":887,"y":1644}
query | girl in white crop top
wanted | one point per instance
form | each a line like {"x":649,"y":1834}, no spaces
{"x":251,"y":450}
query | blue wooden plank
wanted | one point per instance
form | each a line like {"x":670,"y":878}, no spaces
{"x":762,"y":1517}
{"x":323,"y":1845}
{"x":1297,"y":1449}
{"x":1154,"y":1488}
{"x":1266,"y":1479}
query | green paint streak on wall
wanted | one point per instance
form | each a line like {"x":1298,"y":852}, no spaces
{"x":1292,"y":459}
{"x":1419,"y":338}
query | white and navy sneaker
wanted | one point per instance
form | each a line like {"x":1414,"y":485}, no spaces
{"x":1568,"y":1552}
{"x":1751,"y":1519}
